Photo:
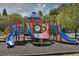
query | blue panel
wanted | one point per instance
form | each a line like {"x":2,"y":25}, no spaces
{"x":29,"y":32}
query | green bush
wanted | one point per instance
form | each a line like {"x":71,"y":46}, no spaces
{"x":1,"y":28}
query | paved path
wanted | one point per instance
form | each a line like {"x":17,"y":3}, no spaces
{"x":29,"y":49}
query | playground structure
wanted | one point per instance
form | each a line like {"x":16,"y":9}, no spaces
{"x":37,"y":36}
{"x":29,"y":31}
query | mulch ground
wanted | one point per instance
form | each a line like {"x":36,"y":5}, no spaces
{"x":30,"y":49}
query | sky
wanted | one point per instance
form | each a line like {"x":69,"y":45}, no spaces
{"x":25,"y":9}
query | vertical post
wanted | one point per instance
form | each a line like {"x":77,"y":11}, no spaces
{"x":50,"y":35}
{"x":56,"y":29}
{"x":32,"y":26}
{"x":25,"y":29}
{"x":48,"y":30}
{"x":18,"y":25}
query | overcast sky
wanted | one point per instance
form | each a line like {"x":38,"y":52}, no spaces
{"x":27,"y":8}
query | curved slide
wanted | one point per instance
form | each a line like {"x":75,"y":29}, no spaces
{"x":10,"y":38}
{"x":68,"y":39}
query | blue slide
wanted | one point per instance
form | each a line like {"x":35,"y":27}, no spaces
{"x":10,"y":39}
{"x":68,"y":39}
{"x":11,"y":35}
